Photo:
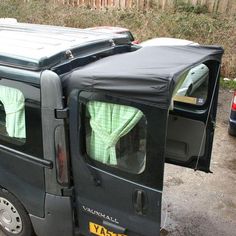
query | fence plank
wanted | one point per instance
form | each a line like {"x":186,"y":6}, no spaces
{"x":223,"y":6}
{"x":164,"y":3}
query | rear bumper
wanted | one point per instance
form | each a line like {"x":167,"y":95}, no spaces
{"x":232,"y":123}
{"x":58,"y":218}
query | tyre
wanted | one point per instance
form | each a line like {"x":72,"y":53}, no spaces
{"x":231,"y":131}
{"x":14,"y":220}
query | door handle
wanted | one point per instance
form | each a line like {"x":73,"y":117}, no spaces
{"x":139,"y":202}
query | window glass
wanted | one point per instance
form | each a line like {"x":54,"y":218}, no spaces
{"x":12,"y":114}
{"x":116,"y":136}
{"x":129,"y":34}
{"x":2,"y":119}
{"x":193,"y":86}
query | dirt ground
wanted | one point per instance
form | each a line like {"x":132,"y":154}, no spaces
{"x":199,"y":204}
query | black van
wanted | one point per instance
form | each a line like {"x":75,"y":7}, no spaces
{"x":87,"y":122}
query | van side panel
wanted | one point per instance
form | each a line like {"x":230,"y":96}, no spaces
{"x":23,"y":179}
{"x":22,"y":164}
{"x":58,"y":218}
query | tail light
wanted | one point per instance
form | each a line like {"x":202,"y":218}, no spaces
{"x":234,"y":102}
{"x":61,"y":156}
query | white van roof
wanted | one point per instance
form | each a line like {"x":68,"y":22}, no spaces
{"x":33,"y":46}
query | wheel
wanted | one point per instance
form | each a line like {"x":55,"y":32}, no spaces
{"x":231,"y":131}
{"x":14,"y":220}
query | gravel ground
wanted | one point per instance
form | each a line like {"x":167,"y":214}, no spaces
{"x":199,"y":204}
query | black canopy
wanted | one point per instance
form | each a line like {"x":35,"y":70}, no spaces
{"x":147,"y":75}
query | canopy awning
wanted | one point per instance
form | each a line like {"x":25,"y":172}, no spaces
{"x":147,"y":75}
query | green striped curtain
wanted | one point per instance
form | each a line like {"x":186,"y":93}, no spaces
{"x":14,"y":104}
{"x":109,"y":122}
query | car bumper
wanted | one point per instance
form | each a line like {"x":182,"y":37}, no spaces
{"x":232,"y":123}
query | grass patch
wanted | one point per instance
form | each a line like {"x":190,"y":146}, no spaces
{"x":182,"y":6}
{"x":183,"y":21}
{"x":228,"y":84}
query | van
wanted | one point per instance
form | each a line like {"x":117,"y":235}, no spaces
{"x":88,"y":121}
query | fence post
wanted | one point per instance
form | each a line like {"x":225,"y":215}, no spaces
{"x":164,"y":2}
{"x":223,"y":6}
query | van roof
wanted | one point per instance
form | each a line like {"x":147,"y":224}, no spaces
{"x":36,"y":47}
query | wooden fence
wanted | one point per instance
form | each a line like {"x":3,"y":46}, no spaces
{"x":222,"y":6}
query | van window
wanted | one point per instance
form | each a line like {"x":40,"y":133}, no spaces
{"x":12,"y":114}
{"x":193,"y":86}
{"x":116,"y":136}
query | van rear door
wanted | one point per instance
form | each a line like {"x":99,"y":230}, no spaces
{"x":192,"y":118}
{"x":122,"y":132}
{"x":118,"y":177}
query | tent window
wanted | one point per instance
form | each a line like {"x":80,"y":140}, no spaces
{"x":116,"y":135}
{"x":193,"y":86}
{"x":12,"y":113}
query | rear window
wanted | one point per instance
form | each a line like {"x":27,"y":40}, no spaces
{"x":193,"y":86}
{"x":116,"y":136}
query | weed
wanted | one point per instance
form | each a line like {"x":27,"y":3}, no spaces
{"x":182,"y":6}
{"x":228,"y":84}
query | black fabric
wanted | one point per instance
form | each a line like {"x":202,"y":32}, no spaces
{"x":147,"y":75}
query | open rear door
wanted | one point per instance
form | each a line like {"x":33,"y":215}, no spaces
{"x":117,"y":175}
{"x":119,"y":108}
{"x":192,"y":119}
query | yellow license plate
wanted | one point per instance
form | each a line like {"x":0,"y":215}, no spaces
{"x":101,"y":231}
